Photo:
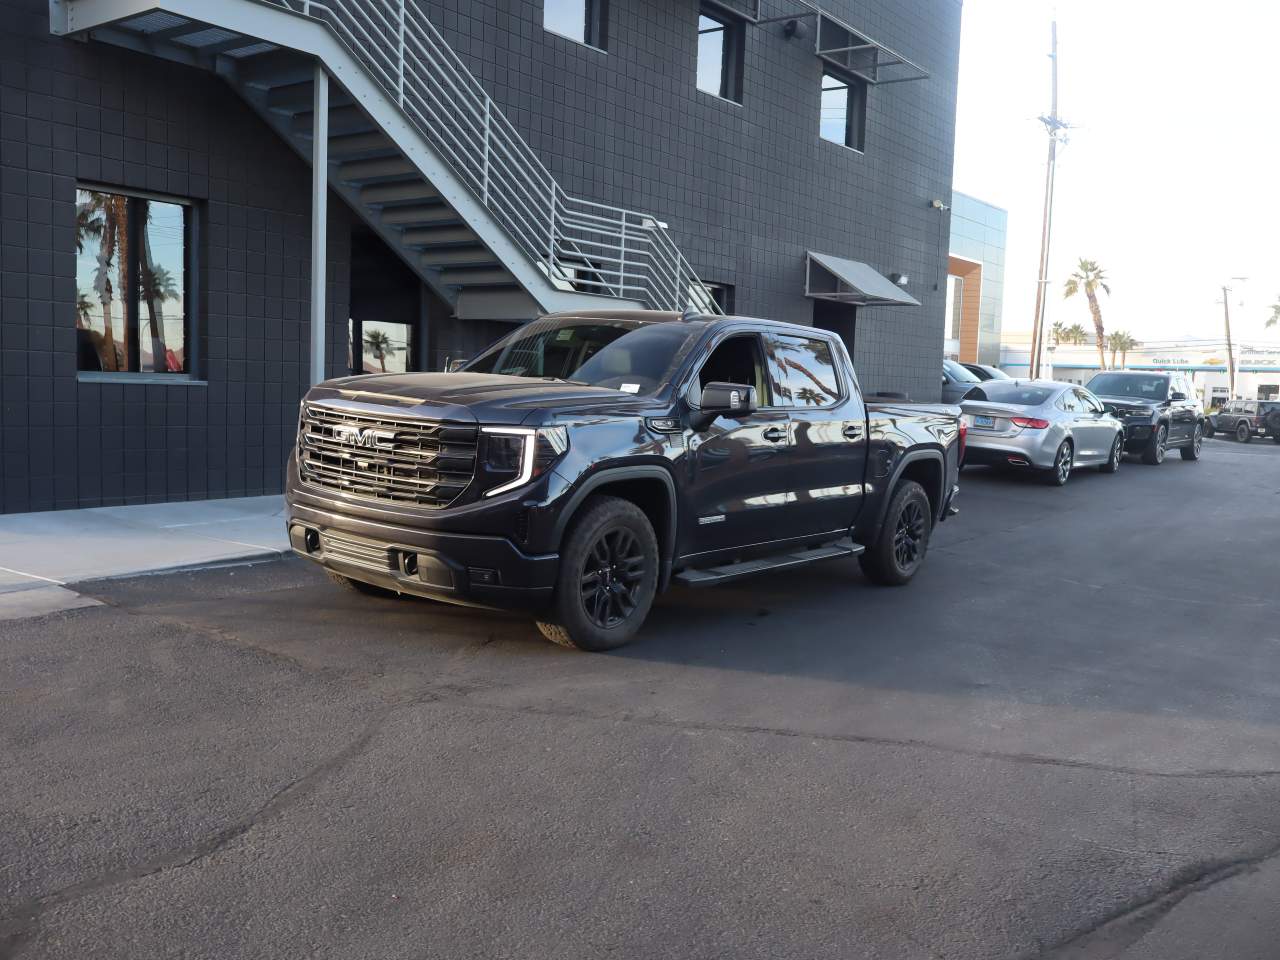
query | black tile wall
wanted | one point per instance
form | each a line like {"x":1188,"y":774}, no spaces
{"x":746,"y":190}
{"x":85,"y":111}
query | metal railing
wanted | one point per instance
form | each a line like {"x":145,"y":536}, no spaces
{"x":578,"y":243}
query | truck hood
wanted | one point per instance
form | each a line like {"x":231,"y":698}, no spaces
{"x":480,"y":397}
{"x":1128,"y":404}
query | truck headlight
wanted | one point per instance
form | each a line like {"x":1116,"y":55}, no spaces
{"x":521,"y":453}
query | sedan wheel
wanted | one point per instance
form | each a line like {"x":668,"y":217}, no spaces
{"x":1060,"y":473}
{"x":1117,"y":454}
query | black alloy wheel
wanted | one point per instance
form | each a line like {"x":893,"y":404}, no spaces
{"x":608,"y":576}
{"x":910,"y":536}
{"x":900,"y":547}
{"x":1192,"y":450}
{"x":612,"y":573}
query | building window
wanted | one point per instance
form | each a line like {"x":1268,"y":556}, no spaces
{"x":721,"y":41}
{"x":379,"y":346}
{"x":844,"y":111}
{"x":581,"y":20}
{"x":133,"y":302}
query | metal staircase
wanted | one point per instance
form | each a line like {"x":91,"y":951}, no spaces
{"x":416,"y":147}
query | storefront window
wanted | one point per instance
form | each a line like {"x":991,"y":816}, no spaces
{"x":132,"y":296}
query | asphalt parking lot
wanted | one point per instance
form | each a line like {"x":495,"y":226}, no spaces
{"x":1062,"y":740}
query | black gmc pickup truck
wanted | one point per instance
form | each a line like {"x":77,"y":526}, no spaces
{"x":582,"y":463}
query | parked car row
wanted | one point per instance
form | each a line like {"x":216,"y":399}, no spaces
{"x":1053,"y":427}
{"x":1246,"y":419}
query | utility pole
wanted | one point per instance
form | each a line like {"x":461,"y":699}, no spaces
{"x":1054,"y":126}
{"x":1231,"y":356}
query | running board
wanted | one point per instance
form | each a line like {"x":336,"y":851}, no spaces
{"x":713,"y":576}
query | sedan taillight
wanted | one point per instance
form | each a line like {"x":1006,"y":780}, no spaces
{"x":1031,"y":423}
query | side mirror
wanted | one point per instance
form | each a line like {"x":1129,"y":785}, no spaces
{"x":1177,"y":395}
{"x":452,"y":366}
{"x":728,"y":398}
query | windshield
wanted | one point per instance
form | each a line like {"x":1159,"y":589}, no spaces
{"x":1127,"y":385}
{"x":1010,"y":391}
{"x":957,"y":372}
{"x":634,"y":356}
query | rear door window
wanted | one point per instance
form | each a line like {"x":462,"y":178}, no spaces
{"x":802,"y":372}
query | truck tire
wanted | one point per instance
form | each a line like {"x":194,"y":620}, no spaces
{"x":1243,"y":432}
{"x":900,"y":548}
{"x":359,"y":586}
{"x":608,"y":577}
{"x":1155,"y":449}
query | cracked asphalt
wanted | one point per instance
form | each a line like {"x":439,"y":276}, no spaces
{"x":1061,"y":741}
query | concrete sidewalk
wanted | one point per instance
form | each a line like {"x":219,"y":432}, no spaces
{"x":41,"y":553}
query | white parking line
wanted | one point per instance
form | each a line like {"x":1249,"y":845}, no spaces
{"x":34,"y":576}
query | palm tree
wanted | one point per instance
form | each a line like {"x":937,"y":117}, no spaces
{"x":1075,"y":334}
{"x":1058,"y":331}
{"x":1089,"y":277}
{"x":1124,"y":342}
{"x":103,"y":216}
{"x":84,"y":310}
{"x":380,"y":344}
{"x":1275,"y":314}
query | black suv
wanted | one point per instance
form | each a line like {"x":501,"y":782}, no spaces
{"x":583,"y":463}
{"x":1246,"y":419}
{"x":1159,"y":411}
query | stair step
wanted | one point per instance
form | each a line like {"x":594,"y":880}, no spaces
{"x":375,"y":168}
{"x":431,"y":236}
{"x":406,"y":191}
{"x":476,"y":256}
{"x":710,"y":576}
{"x":476,"y":278}
{"x":360,"y":145}
{"x":342,"y":121}
{"x":274,"y":68}
{"x":296,"y":97}
{"x":420,"y":214}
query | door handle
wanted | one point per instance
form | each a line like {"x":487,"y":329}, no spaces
{"x":852,"y":432}
{"x":775,"y":434}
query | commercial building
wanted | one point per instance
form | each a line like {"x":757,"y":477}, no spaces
{"x":1257,"y":365}
{"x":975,"y":280}
{"x":207,"y":206}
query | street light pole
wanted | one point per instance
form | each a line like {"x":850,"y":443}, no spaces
{"x":1054,"y":125}
{"x":1231,"y":356}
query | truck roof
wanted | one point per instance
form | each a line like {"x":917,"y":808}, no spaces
{"x":670,"y":316}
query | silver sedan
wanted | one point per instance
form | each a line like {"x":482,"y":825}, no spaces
{"x":1040,"y":425}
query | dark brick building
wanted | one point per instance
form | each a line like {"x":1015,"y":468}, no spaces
{"x":132,"y":185}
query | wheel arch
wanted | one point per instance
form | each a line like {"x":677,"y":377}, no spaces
{"x":649,"y":487}
{"x":929,"y":469}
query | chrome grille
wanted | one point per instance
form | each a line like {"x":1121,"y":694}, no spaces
{"x":361,"y":553}
{"x":400,"y":459}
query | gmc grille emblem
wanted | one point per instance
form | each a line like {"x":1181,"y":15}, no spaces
{"x":368,"y":438}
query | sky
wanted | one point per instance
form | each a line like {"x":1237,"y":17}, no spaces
{"x":1171,"y":177}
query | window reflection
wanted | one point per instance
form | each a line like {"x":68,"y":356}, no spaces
{"x":131,"y":283}
{"x":803,"y":373}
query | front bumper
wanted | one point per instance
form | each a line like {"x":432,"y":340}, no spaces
{"x":1137,"y":436}
{"x":469,"y":569}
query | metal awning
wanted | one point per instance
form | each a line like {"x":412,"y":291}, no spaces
{"x":851,"y":281}
{"x":835,"y":41}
